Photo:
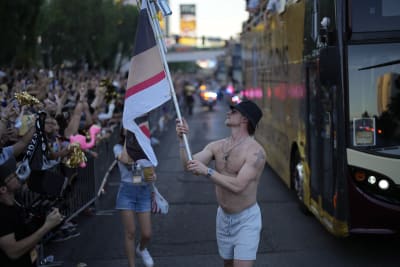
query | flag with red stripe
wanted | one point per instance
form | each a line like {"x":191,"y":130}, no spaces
{"x":147,"y":86}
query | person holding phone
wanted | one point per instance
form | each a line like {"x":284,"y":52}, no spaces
{"x":5,"y":126}
{"x":18,"y":241}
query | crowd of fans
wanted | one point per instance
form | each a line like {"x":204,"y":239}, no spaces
{"x":42,"y":112}
{"x":50,"y":107}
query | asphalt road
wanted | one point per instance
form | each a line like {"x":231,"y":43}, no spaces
{"x":185,"y":237}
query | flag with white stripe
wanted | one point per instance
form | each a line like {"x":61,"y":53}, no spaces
{"x":148,"y":85}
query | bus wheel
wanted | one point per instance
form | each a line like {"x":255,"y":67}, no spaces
{"x":297,"y":173}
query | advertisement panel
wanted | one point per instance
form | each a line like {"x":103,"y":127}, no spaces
{"x":188,"y":25}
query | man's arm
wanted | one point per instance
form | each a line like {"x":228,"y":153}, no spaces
{"x":204,"y":156}
{"x":73,"y":124}
{"x":21,"y":145}
{"x":181,"y":129}
{"x":250,"y":170}
{"x":15,"y":249}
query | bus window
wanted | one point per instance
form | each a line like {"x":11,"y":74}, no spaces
{"x":375,"y":16}
{"x":374,"y":93}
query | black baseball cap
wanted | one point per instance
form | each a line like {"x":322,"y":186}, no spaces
{"x":250,"y":110}
{"x":7,"y":168}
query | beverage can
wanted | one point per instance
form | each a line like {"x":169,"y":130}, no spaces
{"x":147,"y":170}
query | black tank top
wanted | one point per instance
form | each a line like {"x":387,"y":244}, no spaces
{"x":133,"y":148}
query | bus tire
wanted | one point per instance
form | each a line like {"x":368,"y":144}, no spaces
{"x":296,"y":168}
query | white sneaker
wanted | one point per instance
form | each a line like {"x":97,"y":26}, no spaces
{"x":146,"y":257}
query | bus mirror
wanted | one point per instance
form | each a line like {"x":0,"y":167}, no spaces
{"x":329,"y":65}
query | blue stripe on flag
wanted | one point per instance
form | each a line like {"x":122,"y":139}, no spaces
{"x":144,"y":38}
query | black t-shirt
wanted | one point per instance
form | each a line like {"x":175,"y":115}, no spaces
{"x":12,"y":220}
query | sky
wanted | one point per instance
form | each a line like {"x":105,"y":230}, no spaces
{"x":215,"y":18}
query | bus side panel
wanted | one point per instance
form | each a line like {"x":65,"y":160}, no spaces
{"x":283,"y":88}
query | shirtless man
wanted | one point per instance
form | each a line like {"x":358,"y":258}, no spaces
{"x":239,"y":163}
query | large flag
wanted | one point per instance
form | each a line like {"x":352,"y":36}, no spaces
{"x":148,"y":85}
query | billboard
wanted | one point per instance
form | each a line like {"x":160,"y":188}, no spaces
{"x":188,"y":24}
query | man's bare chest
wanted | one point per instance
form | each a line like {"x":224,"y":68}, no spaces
{"x":230,"y":164}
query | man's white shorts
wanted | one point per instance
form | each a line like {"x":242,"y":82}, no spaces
{"x":238,"y":235}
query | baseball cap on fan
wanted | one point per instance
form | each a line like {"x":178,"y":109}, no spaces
{"x":250,"y":110}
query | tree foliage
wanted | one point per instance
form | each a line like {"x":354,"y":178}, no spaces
{"x":69,"y":32}
{"x":18,"y":27}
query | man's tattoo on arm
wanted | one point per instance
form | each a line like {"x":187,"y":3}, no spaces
{"x":260,"y":158}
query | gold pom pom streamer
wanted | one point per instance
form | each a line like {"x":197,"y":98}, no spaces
{"x":110,"y":90}
{"x":25,"y":99}
{"x":77,"y":157}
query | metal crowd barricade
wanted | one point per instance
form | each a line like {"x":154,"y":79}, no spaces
{"x":92,"y":179}
{"x":89,"y":179}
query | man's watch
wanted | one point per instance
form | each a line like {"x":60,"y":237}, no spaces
{"x":210,"y":172}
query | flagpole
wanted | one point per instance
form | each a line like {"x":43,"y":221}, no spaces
{"x":161,"y":45}
{"x":156,"y":28}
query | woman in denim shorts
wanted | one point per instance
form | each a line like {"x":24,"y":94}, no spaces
{"x":133,"y":199}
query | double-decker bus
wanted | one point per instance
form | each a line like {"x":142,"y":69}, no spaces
{"x":326,"y":74}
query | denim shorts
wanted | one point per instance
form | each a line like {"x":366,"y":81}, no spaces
{"x":238,"y":234}
{"x":134,"y":197}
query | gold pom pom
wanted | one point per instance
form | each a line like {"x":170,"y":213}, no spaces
{"x":110,"y":92}
{"x":25,"y":99}
{"x":76,"y":158}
